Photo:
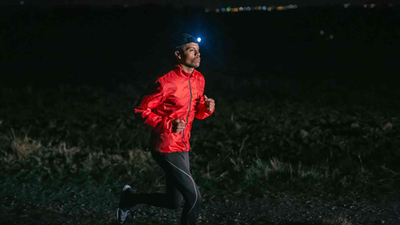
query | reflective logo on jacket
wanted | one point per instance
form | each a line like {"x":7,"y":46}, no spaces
{"x":175,"y":95}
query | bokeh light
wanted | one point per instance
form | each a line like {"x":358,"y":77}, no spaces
{"x":257,"y":8}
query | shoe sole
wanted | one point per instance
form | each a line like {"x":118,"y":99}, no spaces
{"x":122,"y":214}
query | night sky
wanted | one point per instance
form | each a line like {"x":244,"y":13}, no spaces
{"x":203,"y":3}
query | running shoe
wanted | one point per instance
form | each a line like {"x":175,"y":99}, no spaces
{"x":122,"y":211}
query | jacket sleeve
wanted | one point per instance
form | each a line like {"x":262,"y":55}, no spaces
{"x":143,"y":110}
{"x":201,"y":110}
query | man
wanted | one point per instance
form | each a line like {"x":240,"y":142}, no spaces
{"x":169,"y":108}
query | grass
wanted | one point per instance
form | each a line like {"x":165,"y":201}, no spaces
{"x":81,"y":137}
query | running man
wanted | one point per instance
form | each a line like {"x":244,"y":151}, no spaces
{"x":169,"y":108}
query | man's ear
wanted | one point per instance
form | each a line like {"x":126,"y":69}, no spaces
{"x":178,"y":55}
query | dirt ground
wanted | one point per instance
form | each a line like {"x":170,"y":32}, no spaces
{"x":100,"y":208}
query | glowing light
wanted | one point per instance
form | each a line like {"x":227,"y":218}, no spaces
{"x":331,"y":36}
{"x":365,"y":6}
{"x":264,"y":8}
{"x":291,"y":7}
{"x":346,"y":5}
{"x":21,"y":2}
{"x":372,"y":6}
{"x":199,"y":39}
{"x":322,"y":32}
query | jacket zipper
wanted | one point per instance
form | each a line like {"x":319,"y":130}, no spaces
{"x":187,"y":117}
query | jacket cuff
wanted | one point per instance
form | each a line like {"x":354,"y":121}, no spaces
{"x":165,"y":126}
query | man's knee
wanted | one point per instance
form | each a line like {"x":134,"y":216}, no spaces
{"x":194,"y":198}
{"x":175,"y":203}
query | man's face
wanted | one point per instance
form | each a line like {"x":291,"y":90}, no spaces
{"x":190,"y":55}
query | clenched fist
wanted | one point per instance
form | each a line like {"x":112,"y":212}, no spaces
{"x":178,"y":125}
{"x":210,"y":103}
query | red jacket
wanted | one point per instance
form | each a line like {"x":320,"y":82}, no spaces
{"x":174,"y":95}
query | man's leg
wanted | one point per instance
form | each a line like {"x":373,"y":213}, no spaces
{"x":184,"y":182}
{"x":179,"y":182}
{"x":171,"y":199}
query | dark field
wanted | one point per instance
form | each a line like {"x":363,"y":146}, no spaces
{"x":306,"y":128}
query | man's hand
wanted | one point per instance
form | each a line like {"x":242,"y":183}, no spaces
{"x":210,"y":103}
{"x":178,"y":125}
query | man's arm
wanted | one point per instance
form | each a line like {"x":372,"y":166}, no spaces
{"x":205,"y":107}
{"x":153,"y":97}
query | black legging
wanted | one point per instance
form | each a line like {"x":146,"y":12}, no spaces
{"x":179,"y":185}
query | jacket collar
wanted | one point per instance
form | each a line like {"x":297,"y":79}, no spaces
{"x":182,"y":73}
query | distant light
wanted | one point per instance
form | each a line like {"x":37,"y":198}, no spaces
{"x":372,"y":6}
{"x":228,"y":9}
{"x":241,"y":8}
{"x":264,"y":7}
{"x":235,"y":9}
{"x":331,"y":36}
{"x":217,"y":10}
{"x":259,"y":8}
{"x":207,"y":10}
{"x":269,"y":9}
{"x":280,"y":8}
{"x":365,"y":6}
{"x":248,"y":8}
{"x":346,"y":5}
{"x":223,"y":10}
{"x":126,"y":5}
{"x":199,"y":39}
{"x":321,"y":32}
{"x":21,"y":2}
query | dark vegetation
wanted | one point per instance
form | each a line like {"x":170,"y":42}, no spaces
{"x":306,"y":129}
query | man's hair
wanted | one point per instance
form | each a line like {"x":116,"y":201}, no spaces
{"x":179,"y":48}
